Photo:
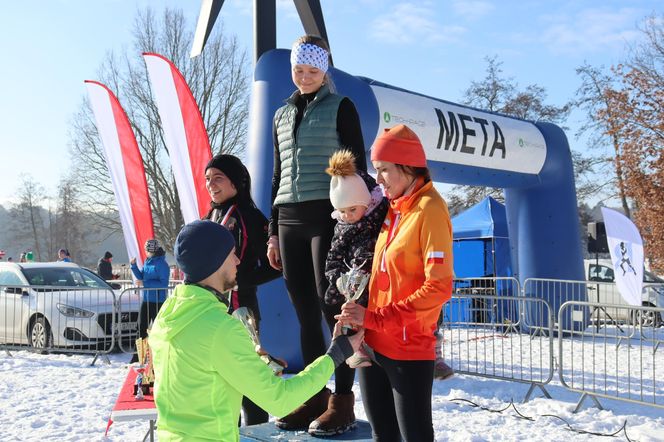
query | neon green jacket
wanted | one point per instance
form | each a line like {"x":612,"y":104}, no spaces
{"x":204,"y":363}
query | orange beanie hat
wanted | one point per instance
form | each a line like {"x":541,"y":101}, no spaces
{"x":399,"y":145}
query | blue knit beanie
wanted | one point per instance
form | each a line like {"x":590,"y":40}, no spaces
{"x":201,"y":248}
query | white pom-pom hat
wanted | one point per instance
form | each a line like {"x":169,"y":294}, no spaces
{"x":347,"y":191}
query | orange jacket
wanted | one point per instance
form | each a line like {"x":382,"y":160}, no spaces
{"x":400,"y":319}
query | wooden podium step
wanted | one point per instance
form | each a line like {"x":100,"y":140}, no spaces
{"x":270,"y":432}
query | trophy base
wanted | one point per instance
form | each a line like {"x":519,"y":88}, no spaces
{"x":145,"y":387}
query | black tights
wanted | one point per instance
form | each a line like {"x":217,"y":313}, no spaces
{"x":147,"y":315}
{"x":253,"y":414}
{"x":303,"y":252}
{"x":397,"y":399}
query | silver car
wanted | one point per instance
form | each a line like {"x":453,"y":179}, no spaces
{"x":606,"y":292}
{"x":58,"y":304}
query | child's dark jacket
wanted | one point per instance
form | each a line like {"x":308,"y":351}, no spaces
{"x":353,"y":244}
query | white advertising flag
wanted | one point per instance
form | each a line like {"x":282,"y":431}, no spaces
{"x":626,"y":248}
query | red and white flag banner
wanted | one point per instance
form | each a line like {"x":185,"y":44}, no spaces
{"x":184,"y":133}
{"x":125,"y":167}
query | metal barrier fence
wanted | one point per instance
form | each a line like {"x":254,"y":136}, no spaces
{"x":121,"y":284}
{"x":606,"y":307}
{"x":490,"y":328}
{"x":63,"y":318}
{"x":146,"y":302}
{"x":482,"y":335}
{"x":475,"y":310}
{"x":594,"y":363}
{"x":554,"y":292}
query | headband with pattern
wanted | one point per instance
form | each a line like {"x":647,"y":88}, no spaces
{"x":306,"y":53}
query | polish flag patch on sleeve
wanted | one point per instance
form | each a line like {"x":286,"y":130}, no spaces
{"x":436,"y":258}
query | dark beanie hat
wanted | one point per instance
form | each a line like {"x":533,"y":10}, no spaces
{"x":201,"y":248}
{"x":233,"y":168}
{"x":108,"y":255}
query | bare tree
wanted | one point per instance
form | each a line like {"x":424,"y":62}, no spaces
{"x":68,"y":223}
{"x":220,"y":84}
{"x":496,"y":93}
{"x":592,"y":97}
{"x":26,"y":221}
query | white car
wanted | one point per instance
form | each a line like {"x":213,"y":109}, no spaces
{"x":606,"y":292}
{"x":58,"y":304}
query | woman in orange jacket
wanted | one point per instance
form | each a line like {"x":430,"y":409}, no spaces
{"x":411,"y":279}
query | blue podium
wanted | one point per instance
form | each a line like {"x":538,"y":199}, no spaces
{"x":270,"y":432}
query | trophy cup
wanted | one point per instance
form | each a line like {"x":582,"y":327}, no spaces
{"x":247,"y":319}
{"x":352,"y":284}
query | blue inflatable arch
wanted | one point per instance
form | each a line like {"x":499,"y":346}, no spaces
{"x":531,"y":161}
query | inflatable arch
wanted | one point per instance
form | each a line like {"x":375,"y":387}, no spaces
{"x":531,"y":161}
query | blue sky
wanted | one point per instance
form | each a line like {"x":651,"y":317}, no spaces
{"x":433,"y":47}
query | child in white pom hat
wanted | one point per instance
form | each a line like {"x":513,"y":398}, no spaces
{"x":360,"y":210}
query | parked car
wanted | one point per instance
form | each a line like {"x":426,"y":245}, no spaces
{"x":652,"y":294}
{"x":59,"y":304}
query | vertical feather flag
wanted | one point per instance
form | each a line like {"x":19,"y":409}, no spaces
{"x":184,"y":132}
{"x":626,"y":249}
{"x":125,"y":166}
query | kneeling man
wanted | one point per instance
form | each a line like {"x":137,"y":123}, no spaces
{"x":204,"y":360}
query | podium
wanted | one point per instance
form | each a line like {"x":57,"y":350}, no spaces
{"x":128,"y":409}
{"x":269,"y":432}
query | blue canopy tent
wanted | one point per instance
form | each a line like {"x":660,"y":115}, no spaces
{"x":481,"y":250}
{"x":481,"y":242}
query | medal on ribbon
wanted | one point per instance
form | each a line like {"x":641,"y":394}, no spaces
{"x":383,"y":281}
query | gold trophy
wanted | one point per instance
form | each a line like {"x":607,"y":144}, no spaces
{"x":144,"y":369}
{"x":244,"y":315}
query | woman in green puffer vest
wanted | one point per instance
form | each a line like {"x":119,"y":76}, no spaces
{"x":313,"y":124}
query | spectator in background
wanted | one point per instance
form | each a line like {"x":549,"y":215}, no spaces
{"x":22,"y":258}
{"x":154,"y":275}
{"x":10,"y":259}
{"x":105,"y":266}
{"x":64,"y":256}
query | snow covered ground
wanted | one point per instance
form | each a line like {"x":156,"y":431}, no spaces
{"x":62,"y":398}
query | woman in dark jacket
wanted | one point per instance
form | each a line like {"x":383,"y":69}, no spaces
{"x":229,"y":185}
{"x":313,"y":124}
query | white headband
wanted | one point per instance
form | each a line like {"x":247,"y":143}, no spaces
{"x":306,"y":53}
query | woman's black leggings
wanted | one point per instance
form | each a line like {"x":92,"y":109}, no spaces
{"x":147,"y":315}
{"x":303,"y":251}
{"x":253,"y":414}
{"x":397,"y":399}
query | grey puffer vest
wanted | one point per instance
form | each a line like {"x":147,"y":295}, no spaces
{"x":305,"y":157}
